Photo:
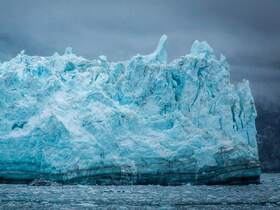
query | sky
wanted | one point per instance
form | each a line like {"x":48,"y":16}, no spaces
{"x":246,"y":32}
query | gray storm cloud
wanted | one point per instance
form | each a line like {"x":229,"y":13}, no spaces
{"x":246,"y":32}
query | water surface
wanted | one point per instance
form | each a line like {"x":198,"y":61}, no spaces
{"x":263,"y":196}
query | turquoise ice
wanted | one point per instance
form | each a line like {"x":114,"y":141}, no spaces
{"x":144,"y":121}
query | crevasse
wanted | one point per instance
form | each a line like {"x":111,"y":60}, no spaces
{"x":68,"y":119}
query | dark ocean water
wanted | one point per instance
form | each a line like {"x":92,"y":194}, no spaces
{"x":263,"y":196}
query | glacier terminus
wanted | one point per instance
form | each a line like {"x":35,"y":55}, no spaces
{"x":68,"y":119}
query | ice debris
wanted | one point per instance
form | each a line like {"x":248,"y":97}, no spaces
{"x":144,"y":121}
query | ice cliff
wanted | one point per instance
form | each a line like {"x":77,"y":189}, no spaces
{"x":144,"y":121}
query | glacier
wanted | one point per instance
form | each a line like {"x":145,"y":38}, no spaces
{"x":68,"y":119}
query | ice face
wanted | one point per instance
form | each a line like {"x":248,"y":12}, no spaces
{"x":142,"y":121}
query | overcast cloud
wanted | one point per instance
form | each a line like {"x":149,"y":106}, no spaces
{"x":246,"y":32}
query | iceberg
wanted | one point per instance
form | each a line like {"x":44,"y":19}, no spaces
{"x":68,"y":119}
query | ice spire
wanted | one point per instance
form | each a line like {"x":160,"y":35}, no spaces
{"x":68,"y":51}
{"x":160,"y":53}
